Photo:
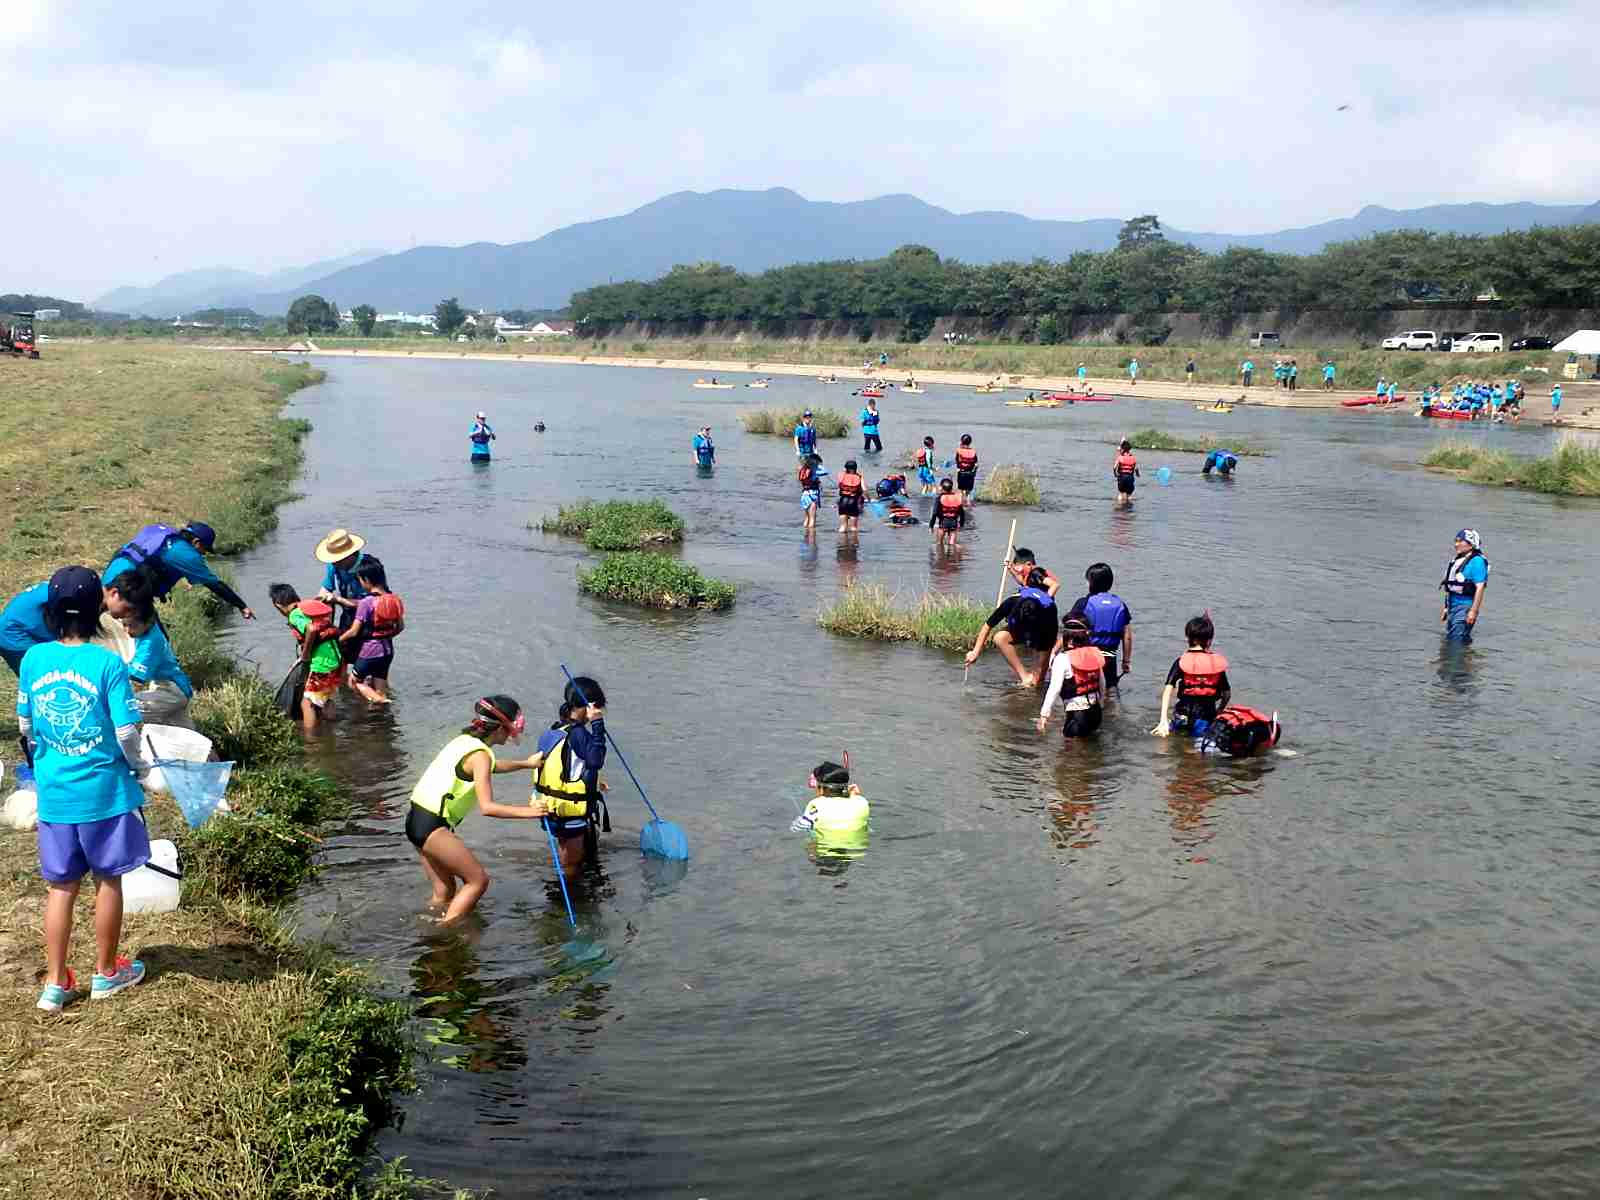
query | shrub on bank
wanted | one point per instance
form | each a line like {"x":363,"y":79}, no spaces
{"x":780,"y":422}
{"x":1009,"y":483}
{"x":655,"y":581}
{"x":1573,"y":470}
{"x":935,"y":619}
{"x":244,"y":724}
{"x":1156,"y":439}
{"x":617,"y":524}
{"x":262,"y":850}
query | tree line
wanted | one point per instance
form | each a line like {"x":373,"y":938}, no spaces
{"x":1145,"y":274}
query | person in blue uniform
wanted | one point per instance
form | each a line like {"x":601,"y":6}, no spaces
{"x":805,"y":437}
{"x":1221,"y":461}
{"x":480,"y":435}
{"x":871,"y":442}
{"x":1466,"y":577}
{"x":705,"y":450}
{"x":1110,"y":622}
{"x":174,"y":554}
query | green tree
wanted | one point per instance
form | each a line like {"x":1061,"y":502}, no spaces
{"x":1140,"y":232}
{"x":313,"y":314}
{"x":448,"y":316}
{"x":366,"y":318}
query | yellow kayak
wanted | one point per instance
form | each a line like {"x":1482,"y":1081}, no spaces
{"x":1033,"y":403}
{"x":706,"y":383}
{"x":1222,"y":410}
{"x":985,"y":389}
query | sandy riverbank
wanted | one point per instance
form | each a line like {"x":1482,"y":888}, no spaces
{"x":1579,"y":395}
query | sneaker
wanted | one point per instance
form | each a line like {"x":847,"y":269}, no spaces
{"x":54,"y":999}
{"x":129,"y":972}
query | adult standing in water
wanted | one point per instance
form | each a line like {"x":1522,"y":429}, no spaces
{"x":805,"y":437}
{"x":1466,"y":577}
{"x":342,"y":552}
{"x":480,"y":435}
{"x":871,"y":442}
{"x":705,"y":451}
{"x":171,"y":554}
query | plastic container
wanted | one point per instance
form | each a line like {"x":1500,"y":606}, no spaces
{"x":169,"y":741}
{"x":154,"y":887}
{"x":21,"y":809}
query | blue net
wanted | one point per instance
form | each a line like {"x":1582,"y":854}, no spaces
{"x":198,"y":787}
{"x":663,"y":839}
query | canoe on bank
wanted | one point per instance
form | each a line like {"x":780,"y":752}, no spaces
{"x":1367,"y":401}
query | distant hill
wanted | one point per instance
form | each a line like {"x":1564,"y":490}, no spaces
{"x":217,"y":287}
{"x":756,"y":230}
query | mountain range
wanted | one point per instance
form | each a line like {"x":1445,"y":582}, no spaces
{"x":750,"y":230}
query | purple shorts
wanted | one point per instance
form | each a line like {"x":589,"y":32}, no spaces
{"x":108,"y":848}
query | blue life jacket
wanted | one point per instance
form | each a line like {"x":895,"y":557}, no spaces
{"x":1045,"y":599}
{"x":1454,"y":584}
{"x":147,"y":544}
{"x":807,"y":435}
{"x":1104,"y":612}
{"x":869,"y":421}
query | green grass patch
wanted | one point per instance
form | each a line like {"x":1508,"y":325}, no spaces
{"x":935,"y":619}
{"x":655,"y":581}
{"x":244,"y":725}
{"x":617,"y":524}
{"x":1573,"y":470}
{"x":1009,"y":483}
{"x":780,"y":422}
{"x":1156,"y":439}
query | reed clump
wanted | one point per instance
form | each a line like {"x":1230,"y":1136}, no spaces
{"x":934,"y":619}
{"x":655,"y":581}
{"x":617,"y":524}
{"x":1157,"y":439}
{"x":1573,"y":470}
{"x":780,"y":422}
{"x":1010,"y":483}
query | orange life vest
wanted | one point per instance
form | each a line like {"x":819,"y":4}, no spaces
{"x":925,"y":457}
{"x":950,"y":506}
{"x":1088,"y":669}
{"x":387,"y":613}
{"x":966,"y":460}
{"x":850,"y":486}
{"x":806,"y":475}
{"x":1202,"y":674}
{"x":320,"y":614}
{"x":1126,"y":464}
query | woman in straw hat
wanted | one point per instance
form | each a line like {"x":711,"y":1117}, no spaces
{"x":341,"y":550}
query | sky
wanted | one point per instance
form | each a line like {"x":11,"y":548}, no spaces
{"x":165,"y":136}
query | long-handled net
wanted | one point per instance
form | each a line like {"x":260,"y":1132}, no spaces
{"x":198,"y":787}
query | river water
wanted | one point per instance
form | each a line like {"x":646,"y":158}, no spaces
{"x":1117,"y":969}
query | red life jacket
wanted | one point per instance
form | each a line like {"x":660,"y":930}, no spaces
{"x":1202,"y":674}
{"x":387,"y":613}
{"x":320,"y":614}
{"x":1088,"y":669}
{"x":807,"y":476}
{"x":1239,"y":730}
{"x":950,"y":505}
{"x":1126,"y":464}
{"x":850,"y":486}
{"x":966,"y":459}
{"x":925,"y":457}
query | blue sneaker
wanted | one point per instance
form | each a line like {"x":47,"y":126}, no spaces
{"x":128,"y":973}
{"x":54,"y":998}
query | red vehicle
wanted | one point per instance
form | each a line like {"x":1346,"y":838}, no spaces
{"x":16,"y":336}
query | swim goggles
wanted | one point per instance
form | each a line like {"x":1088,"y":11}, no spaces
{"x":513,"y":728}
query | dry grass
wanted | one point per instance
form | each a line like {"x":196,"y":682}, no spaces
{"x":1573,"y":470}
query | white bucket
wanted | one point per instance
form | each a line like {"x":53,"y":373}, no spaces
{"x":155,"y":886}
{"x":21,"y":810}
{"x":169,"y":741}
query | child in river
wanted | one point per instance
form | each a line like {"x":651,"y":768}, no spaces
{"x":838,"y":814}
{"x":311,"y":622}
{"x":1198,"y":681}
{"x":455,"y":782}
{"x":1126,"y":470}
{"x":925,"y":474}
{"x":809,"y":475}
{"x":1077,"y":672}
{"x":568,"y":788}
{"x":949,"y":516}
{"x":380,"y":618}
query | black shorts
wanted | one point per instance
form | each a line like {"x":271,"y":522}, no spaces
{"x":966,"y":480}
{"x":949,"y":524}
{"x":420,"y":824}
{"x":849,"y":508}
{"x":373,"y":668}
{"x":1125,"y":484}
{"x":566,"y":827}
{"x":1082,"y":722}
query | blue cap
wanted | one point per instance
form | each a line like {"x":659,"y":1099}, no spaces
{"x":75,"y":590}
{"x":1471,"y":538}
{"x":202,"y":533}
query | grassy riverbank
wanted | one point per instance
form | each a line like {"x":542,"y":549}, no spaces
{"x":1156,"y":439}
{"x":246,"y":1066}
{"x":617,"y":524}
{"x":1573,"y":470}
{"x":934,"y":619}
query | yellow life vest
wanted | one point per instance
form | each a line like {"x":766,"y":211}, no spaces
{"x":560,"y":782}
{"x":839,"y":822}
{"x":441,"y":790}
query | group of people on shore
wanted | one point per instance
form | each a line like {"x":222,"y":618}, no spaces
{"x":1482,"y":398}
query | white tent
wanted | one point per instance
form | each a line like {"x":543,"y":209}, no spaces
{"x":1585,"y":341}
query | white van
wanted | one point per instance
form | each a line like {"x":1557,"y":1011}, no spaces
{"x":1479,"y":343}
{"x":1265,"y":341}
{"x":1412,"y":339}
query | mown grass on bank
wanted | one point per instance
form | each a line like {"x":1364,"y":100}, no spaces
{"x":617,"y":524}
{"x":934,"y":619}
{"x":654,"y":581}
{"x":780,"y":422}
{"x":1573,"y":470}
{"x":246,"y":1066}
{"x":1009,"y":483}
{"x":1157,"y":439}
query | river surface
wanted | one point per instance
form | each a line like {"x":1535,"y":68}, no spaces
{"x":1119,"y":968}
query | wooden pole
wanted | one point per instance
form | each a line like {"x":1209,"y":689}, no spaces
{"x":1005,"y":566}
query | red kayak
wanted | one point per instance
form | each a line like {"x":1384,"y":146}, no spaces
{"x":1364,"y":401}
{"x":1444,"y":414}
{"x":872,"y":393}
{"x":1075,"y":398}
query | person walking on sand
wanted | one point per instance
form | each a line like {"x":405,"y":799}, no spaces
{"x":1327,"y":376}
{"x":1555,"y":404}
{"x":1133,"y":372}
{"x":1083,"y":378}
{"x":1294,"y":376}
{"x":1188,"y":372}
{"x":1246,"y":370}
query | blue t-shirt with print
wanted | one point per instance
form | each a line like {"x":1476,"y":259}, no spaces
{"x":1476,"y":571}
{"x":22,"y":621}
{"x":77,"y":697}
{"x":154,"y":661}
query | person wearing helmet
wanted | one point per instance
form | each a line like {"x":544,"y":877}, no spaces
{"x":1466,"y":577}
{"x":455,"y":783}
{"x":169,"y":555}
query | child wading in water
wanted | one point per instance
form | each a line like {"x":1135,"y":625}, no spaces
{"x":925,"y":474}
{"x":1198,"y":681}
{"x":1126,"y":470}
{"x":837,"y":817}
{"x":457,"y":781}
{"x":311,"y":622}
{"x":81,"y":730}
{"x":380,"y":618}
{"x":809,"y":476}
{"x":569,"y":788}
{"x":949,"y":516}
{"x":1078,"y":674}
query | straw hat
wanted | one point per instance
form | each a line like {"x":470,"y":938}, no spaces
{"x":340,"y":543}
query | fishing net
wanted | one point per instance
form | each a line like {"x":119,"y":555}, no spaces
{"x":290,"y":691}
{"x":198,"y":787}
{"x":663,"y":839}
